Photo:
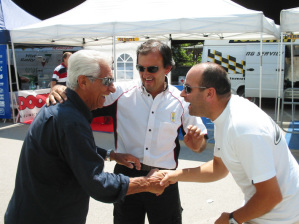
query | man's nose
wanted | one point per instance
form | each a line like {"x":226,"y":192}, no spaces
{"x":183,"y":93}
{"x":145,"y":73}
{"x":112,"y":88}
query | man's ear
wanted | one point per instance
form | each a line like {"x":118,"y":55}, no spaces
{"x":82,"y":81}
{"x":168,"y":69}
{"x":211,"y":93}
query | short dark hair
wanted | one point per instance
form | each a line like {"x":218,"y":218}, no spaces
{"x":151,"y":45}
{"x":215,"y":76}
{"x":65,"y":55}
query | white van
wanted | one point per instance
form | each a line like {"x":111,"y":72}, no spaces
{"x":241,"y":59}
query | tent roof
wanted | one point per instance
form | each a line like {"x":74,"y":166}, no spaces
{"x":94,"y":22}
{"x":12,"y":16}
{"x":289,"y":20}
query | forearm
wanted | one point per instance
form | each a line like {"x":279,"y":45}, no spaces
{"x":150,"y":183}
{"x":137,"y":185}
{"x":263,"y":201}
{"x":254,"y":208}
{"x":208,"y":172}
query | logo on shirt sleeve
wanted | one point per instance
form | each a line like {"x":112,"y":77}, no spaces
{"x":277,"y":133}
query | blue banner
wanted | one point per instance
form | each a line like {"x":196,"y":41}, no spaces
{"x":4,"y":91}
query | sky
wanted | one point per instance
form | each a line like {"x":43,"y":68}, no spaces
{"x":43,"y":10}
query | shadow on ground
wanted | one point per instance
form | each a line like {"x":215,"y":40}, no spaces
{"x":13,"y":131}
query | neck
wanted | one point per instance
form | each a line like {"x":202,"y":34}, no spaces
{"x":84,"y":97}
{"x":154,"y":94}
{"x":220,"y":106}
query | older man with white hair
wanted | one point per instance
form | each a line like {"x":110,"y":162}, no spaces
{"x":60,"y":166}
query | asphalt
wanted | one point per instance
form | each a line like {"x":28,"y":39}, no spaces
{"x":202,"y":202}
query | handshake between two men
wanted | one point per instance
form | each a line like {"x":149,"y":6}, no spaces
{"x":158,"y":180}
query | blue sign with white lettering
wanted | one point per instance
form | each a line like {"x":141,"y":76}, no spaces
{"x":4,"y":91}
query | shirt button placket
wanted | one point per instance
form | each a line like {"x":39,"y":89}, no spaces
{"x":150,"y":128}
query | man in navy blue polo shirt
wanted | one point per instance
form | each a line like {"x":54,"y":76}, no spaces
{"x":60,"y":166}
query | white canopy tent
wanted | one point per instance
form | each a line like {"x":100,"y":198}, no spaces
{"x":289,"y":20}
{"x":12,"y":16}
{"x":99,"y":22}
{"x":289,"y":26}
{"x":96,"y":22}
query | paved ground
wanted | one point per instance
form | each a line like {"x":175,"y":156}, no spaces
{"x":202,"y":203}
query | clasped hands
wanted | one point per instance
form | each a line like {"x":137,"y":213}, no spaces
{"x":154,"y":178}
{"x":160,"y":179}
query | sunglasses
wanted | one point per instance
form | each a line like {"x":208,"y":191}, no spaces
{"x":188,"y":89}
{"x":150,"y":69}
{"x":106,"y":80}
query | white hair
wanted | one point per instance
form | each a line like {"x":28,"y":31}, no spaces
{"x":84,"y":62}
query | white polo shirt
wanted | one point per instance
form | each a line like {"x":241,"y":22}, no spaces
{"x":148,"y":128}
{"x":253,"y":149}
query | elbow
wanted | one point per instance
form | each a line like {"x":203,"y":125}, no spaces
{"x":278,"y":198}
{"x":274,"y":200}
{"x":224,"y":174}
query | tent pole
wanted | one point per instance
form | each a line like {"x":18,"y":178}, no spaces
{"x":15,"y":64}
{"x":114,"y":58}
{"x":10,"y":83}
{"x":9,"y":70}
{"x":169,"y":44}
{"x":292,"y":81}
{"x":8,"y":62}
{"x":261,"y":70}
{"x":279,"y":78}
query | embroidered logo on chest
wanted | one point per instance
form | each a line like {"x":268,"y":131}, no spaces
{"x":172,"y":117}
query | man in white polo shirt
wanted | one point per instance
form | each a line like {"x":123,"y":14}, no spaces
{"x":249,"y":144}
{"x":148,"y":114}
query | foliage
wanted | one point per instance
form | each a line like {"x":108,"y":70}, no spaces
{"x":184,"y":56}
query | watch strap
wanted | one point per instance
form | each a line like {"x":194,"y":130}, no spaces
{"x":231,"y":219}
{"x":108,"y":158}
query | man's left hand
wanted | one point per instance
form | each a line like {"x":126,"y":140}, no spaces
{"x":194,"y":139}
{"x":126,"y":160}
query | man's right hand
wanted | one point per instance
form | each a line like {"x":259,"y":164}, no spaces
{"x":57,"y":94}
{"x":154,"y":178}
{"x":170,"y":176}
{"x":149,"y":183}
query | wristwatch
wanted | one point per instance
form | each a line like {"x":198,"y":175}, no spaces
{"x":108,"y":154}
{"x":231,"y":219}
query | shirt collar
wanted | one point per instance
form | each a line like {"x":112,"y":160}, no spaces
{"x":75,"y":99}
{"x":223,"y":116}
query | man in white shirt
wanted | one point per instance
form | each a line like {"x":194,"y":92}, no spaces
{"x":148,"y":115}
{"x":249,"y":144}
{"x":59,"y":76}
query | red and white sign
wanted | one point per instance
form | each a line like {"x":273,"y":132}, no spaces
{"x":30,"y":102}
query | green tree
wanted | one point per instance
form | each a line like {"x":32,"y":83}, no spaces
{"x":185,"y":55}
